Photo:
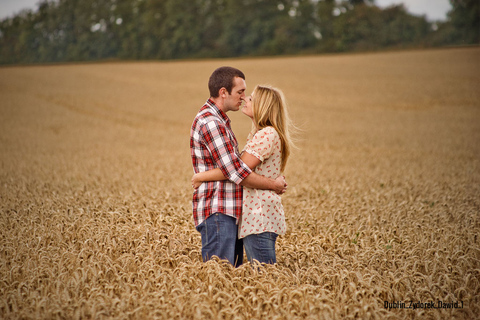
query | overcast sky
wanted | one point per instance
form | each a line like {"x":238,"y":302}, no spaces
{"x":433,"y":9}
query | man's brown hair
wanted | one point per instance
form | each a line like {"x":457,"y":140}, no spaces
{"x":223,"y":78}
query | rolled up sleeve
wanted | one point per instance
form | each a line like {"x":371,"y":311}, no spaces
{"x":262,"y":143}
{"x":222,"y":149}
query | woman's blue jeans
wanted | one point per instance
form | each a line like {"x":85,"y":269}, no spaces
{"x":261,"y":247}
{"x":219,"y":238}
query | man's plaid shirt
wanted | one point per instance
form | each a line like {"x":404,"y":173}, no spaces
{"x":213,"y":145}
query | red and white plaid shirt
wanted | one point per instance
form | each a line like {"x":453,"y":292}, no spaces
{"x":213,"y":145}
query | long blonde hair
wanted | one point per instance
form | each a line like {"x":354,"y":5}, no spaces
{"x":270,"y":110}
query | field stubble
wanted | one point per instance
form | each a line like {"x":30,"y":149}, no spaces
{"x":383,"y":201}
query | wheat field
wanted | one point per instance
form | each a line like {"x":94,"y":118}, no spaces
{"x":383,"y":205}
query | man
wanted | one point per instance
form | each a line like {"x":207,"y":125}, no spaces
{"x":217,"y":205}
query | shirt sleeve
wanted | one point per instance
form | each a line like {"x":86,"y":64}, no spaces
{"x":261,"y":145}
{"x":222,"y":149}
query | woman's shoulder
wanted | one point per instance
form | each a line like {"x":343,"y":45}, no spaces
{"x":267,"y":131}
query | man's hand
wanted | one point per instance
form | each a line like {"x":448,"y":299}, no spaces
{"x":280,"y":186}
{"x":195,"y":181}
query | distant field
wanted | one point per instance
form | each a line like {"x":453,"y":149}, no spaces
{"x":383,"y":206}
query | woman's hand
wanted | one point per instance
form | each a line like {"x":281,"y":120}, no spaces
{"x":196,"y":181}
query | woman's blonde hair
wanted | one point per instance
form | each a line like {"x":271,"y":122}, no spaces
{"x":270,"y":110}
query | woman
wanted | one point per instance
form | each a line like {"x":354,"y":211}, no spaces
{"x":266,"y":152}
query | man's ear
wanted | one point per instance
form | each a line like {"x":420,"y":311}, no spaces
{"x":223,"y":92}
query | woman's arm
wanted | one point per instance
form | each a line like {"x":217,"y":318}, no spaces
{"x":210,"y":175}
{"x":217,"y":175}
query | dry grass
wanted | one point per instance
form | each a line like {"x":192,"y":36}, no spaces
{"x":383,"y":204}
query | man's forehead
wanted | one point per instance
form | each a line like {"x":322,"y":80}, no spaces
{"x":239,"y":83}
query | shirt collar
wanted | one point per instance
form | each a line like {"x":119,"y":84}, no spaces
{"x":217,"y":111}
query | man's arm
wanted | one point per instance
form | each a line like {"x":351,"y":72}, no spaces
{"x":222,"y":149}
{"x":253,"y":180}
{"x":233,"y":167}
{"x":256,"y":181}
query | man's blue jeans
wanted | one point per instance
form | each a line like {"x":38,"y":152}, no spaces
{"x":219,"y":238}
{"x":261,"y":247}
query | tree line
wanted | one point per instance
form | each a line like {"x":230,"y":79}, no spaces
{"x":86,"y":30}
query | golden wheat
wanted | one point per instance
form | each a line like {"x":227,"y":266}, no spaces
{"x":383,"y":202}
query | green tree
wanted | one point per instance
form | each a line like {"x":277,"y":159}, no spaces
{"x":13,"y":37}
{"x":248,"y":26}
{"x":182,"y":29}
{"x":465,"y":19}
{"x":81,"y":30}
{"x":325,"y":22}
{"x":371,"y":28}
